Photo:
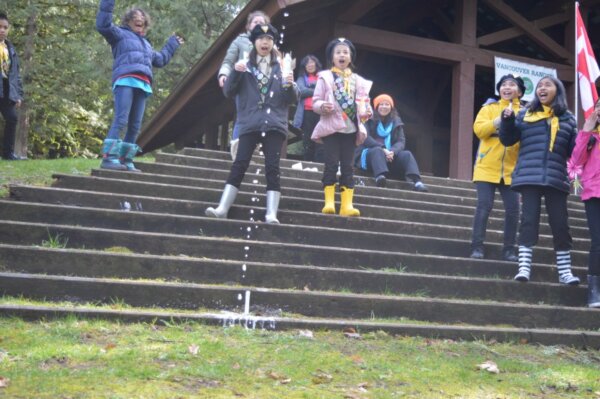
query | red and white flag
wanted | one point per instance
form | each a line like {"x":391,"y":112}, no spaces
{"x":587,"y":67}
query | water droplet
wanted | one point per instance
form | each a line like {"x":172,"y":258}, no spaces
{"x":281,"y":35}
{"x":281,"y":42}
{"x":251,"y":212}
{"x":263,"y":134}
{"x":249,"y":228}
{"x":269,"y":111}
{"x":246,"y":248}
{"x":286,"y":14}
{"x":244,"y":268}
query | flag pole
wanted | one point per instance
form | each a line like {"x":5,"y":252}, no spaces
{"x":576,"y":68}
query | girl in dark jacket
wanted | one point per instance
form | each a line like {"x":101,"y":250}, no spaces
{"x":546,"y":131}
{"x":305,"y":118}
{"x":262,"y":97}
{"x":383,"y":152}
{"x":131,"y":79}
{"x":11,"y":90}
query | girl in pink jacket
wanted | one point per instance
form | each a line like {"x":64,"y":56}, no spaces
{"x":341,"y":97}
{"x":585,"y":162}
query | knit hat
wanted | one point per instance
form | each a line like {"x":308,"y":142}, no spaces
{"x":263,"y":30}
{"x":331,"y":45}
{"x":518,"y":80}
{"x":383,"y":97}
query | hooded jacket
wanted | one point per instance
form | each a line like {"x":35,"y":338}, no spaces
{"x":494,"y":161}
{"x":15,"y":86}
{"x":589,"y":162}
{"x":132,"y":53}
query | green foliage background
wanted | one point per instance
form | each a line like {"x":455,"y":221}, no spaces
{"x":67,"y":80}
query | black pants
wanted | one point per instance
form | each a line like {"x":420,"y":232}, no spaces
{"x":9,"y":113}
{"x":339,"y":150}
{"x":403,"y":166}
{"x":485,"y":203}
{"x":312,"y":151}
{"x":592,"y":210}
{"x":271,"y":147}
{"x":556,"y":208}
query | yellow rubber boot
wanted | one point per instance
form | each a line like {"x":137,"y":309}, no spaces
{"x":346,"y":208}
{"x":329,"y":207}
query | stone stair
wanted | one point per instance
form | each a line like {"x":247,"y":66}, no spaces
{"x":141,"y":240}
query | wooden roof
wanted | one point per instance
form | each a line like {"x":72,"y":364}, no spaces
{"x":392,"y":37}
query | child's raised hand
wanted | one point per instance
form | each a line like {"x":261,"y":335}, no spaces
{"x":591,"y":121}
{"x":240,"y":66}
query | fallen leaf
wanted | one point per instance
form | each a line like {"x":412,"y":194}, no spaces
{"x":306,"y":334}
{"x":110,"y":346}
{"x":352,"y":335}
{"x":4,"y":382}
{"x":274,"y":376}
{"x":349,"y":330}
{"x":321,"y":378}
{"x":489,"y":366}
{"x":523,"y":341}
{"x":193,"y":349}
{"x":285,"y":381}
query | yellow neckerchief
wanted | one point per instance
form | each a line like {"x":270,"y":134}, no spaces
{"x":545,"y":114}
{"x":4,"y":59}
{"x":516,"y":105}
{"x":345,"y":74}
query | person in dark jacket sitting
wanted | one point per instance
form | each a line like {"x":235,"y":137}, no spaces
{"x":131,"y":79}
{"x":546,"y":131}
{"x":263,"y":96}
{"x":383,"y":151}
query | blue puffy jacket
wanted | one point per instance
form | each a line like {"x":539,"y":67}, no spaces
{"x":536,"y":164}
{"x":132,"y":53}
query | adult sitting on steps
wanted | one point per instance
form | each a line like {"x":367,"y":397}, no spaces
{"x":383,"y":151}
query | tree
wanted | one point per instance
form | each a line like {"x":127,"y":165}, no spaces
{"x":66,"y":65}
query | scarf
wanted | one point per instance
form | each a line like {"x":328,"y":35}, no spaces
{"x":384,"y":133}
{"x":4,"y":60}
{"x":344,"y":89}
{"x":545,"y":114}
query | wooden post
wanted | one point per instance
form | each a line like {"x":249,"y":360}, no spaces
{"x":463,"y":89}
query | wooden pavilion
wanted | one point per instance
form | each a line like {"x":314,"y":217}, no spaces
{"x":436,"y":58}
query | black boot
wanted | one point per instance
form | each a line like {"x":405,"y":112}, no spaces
{"x":593,"y":291}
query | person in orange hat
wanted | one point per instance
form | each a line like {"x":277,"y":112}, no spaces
{"x":383,"y":152}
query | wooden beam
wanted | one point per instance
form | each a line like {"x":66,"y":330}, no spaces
{"x":463,"y":94}
{"x":435,"y":50}
{"x":534,"y":33}
{"x":357,"y":9}
{"x":512,"y":33}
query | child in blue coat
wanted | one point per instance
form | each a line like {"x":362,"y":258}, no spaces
{"x":134,"y":58}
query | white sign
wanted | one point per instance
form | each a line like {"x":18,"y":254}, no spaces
{"x":531,"y":74}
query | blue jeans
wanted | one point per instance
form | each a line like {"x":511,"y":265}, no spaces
{"x":130,"y":104}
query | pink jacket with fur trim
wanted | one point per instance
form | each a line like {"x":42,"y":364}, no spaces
{"x":587,"y":163}
{"x":334,"y":122}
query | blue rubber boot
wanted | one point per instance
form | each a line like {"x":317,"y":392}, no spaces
{"x":128,"y":151}
{"x":110,"y":155}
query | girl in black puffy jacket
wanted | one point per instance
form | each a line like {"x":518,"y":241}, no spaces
{"x":546,"y":130}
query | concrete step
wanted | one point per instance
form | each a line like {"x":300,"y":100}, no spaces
{"x":245,"y":212}
{"x":301,"y":232}
{"x":211,"y":177}
{"x":90,"y":263}
{"x":448,"y":186}
{"x":307,"y":303}
{"x":20,"y":233}
{"x":296,"y":199}
{"x":586,"y":339}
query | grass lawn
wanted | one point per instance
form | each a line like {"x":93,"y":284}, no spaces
{"x":39,"y":172}
{"x":73,"y":358}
